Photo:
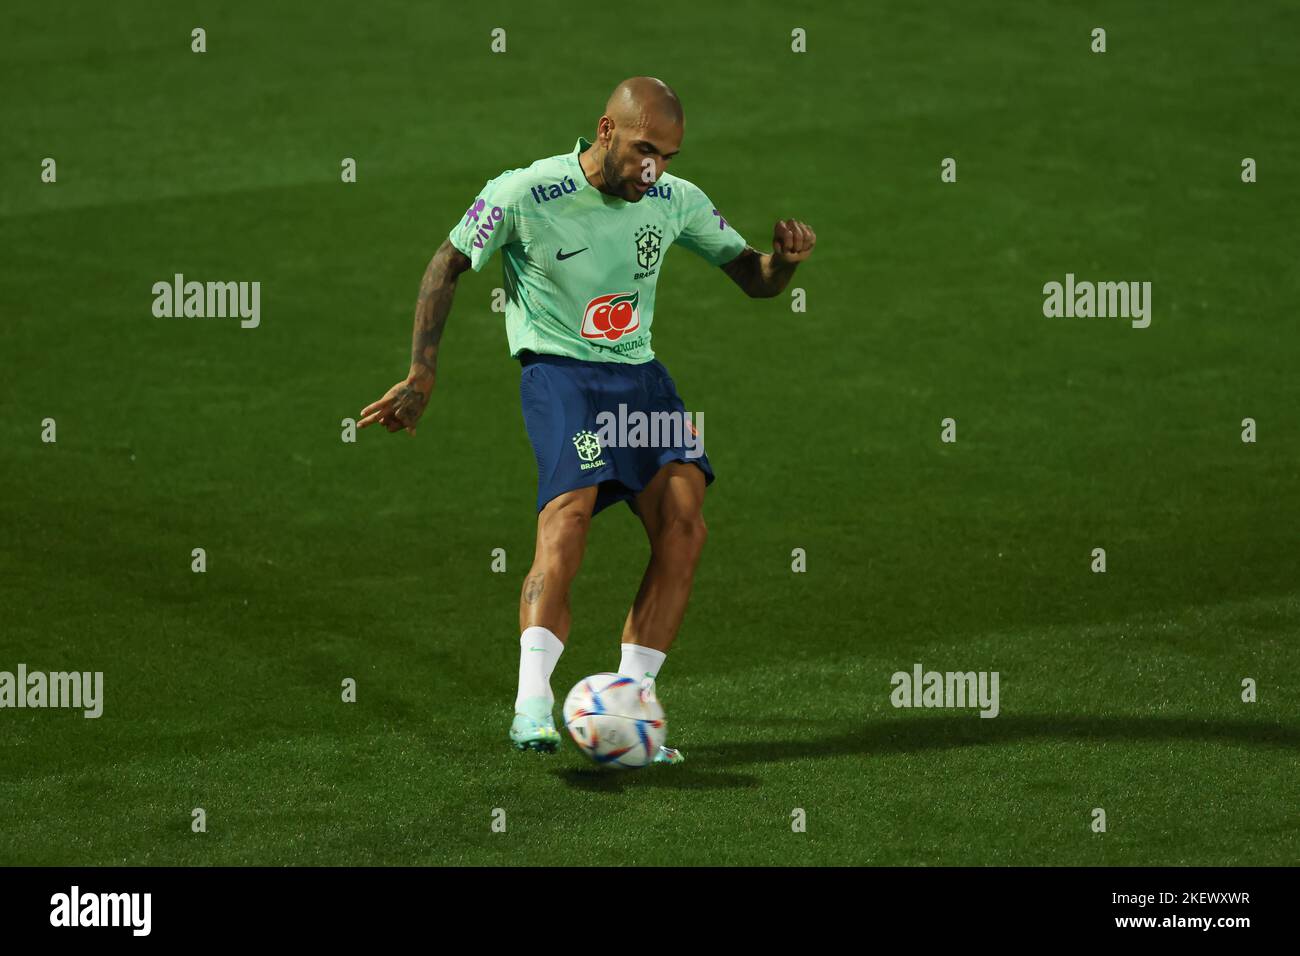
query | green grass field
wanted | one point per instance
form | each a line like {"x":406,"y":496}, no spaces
{"x":372,"y":560}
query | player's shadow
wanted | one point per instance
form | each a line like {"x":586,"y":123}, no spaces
{"x":707,"y":769}
{"x":684,"y":777}
{"x":917,"y":734}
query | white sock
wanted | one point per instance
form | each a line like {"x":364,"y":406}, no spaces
{"x":641,"y":662}
{"x":539,"y":651}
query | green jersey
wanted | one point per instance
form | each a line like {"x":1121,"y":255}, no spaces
{"x":580,"y":267}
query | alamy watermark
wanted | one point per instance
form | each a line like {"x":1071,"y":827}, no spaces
{"x":1102,"y":300}
{"x":957,"y":689}
{"x":208,"y":300}
{"x":639,"y":429}
{"x":75,"y":908}
{"x":78,"y":690}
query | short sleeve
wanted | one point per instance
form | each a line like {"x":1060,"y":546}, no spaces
{"x":490,"y":222}
{"x":706,"y":232}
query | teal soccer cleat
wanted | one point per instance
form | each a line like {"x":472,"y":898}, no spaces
{"x":534,"y":727}
{"x":669,"y":755}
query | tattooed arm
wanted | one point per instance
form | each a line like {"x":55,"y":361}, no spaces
{"x":403,"y":404}
{"x":763,"y":276}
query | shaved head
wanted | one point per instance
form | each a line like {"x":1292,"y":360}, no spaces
{"x":636,"y":137}
{"x":642,"y":100}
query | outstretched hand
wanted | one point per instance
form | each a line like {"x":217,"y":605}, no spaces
{"x":401,"y":407}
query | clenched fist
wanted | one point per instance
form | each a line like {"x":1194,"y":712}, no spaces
{"x":792,"y":241}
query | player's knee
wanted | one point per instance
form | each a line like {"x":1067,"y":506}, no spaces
{"x":562,"y":535}
{"x":684,"y":535}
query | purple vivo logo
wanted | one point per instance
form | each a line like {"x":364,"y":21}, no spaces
{"x":489,"y":223}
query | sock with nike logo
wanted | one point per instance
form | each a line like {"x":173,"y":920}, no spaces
{"x":641,"y":662}
{"x":539,"y":651}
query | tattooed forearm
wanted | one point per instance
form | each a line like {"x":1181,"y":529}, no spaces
{"x":431,"y":310}
{"x":760,"y":275}
{"x":534,"y":585}
{"x":774,"y":276}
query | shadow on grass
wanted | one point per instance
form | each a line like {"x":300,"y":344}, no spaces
{"x":889,"y":736}
{"x":686,"y":777}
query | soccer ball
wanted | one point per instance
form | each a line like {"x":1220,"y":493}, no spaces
{"x":615,"y":721}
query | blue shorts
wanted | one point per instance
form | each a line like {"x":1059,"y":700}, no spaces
{"x":571,"y":410}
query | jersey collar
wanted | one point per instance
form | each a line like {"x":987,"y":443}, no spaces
{"x":584,"y":144}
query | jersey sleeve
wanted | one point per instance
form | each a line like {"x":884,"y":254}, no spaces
{"x":490,"y":222}
{"x":705,"y":232}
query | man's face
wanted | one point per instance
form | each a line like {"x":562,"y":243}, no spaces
{"x":636,"y":158}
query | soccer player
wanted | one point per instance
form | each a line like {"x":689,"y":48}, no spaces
{"x":582,"y":237}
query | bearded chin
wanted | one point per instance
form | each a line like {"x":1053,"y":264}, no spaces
{"x":610,"y":172}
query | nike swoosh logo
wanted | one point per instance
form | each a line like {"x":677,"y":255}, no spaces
{"x":561,"y":256}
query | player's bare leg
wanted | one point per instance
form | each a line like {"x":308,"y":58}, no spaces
{"x":671,"y":509}
{"x":544,"y":615}
{"x":561,"y":540}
